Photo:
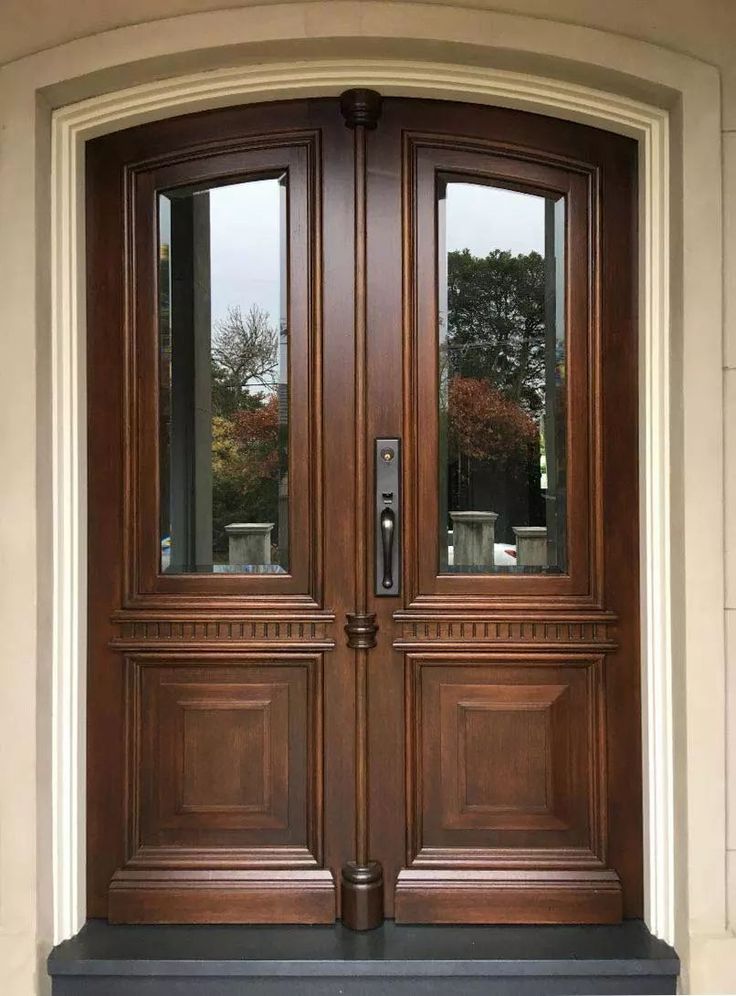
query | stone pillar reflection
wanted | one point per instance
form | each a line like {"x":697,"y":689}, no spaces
{"x":249,"y":543}
{"x":531,"y":546}
{"x":474,"y":534}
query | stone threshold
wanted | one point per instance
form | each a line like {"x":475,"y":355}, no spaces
{"x":396,"y":958}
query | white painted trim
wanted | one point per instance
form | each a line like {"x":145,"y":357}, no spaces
{"x":74,"y":124}
{"x":655,"y":562}
{"x":69,"y":475}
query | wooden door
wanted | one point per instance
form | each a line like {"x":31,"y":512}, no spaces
{"x":363,"y":536}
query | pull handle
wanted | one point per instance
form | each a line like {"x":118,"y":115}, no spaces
{"x":387,"y":512}
{"x":388,"y":523}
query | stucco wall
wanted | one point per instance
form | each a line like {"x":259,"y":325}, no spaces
{"x":706,"y":30}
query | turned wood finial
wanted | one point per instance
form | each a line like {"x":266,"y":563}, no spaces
{"x":361,"y":630}
{"x":360,"y":107}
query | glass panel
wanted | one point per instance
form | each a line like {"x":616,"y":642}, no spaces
{"x":223,"y":379}
{"x":502,"y":404}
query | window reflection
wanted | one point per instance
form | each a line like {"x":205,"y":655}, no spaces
{"x":223,"y":385}
{"x":502,"y":380}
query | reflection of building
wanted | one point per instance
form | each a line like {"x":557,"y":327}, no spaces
{"x":164,"y":393}
{"x":186,"y":381}
{"x":283,"y":385}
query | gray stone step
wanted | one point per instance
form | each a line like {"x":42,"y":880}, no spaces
{"x":334,"y":961}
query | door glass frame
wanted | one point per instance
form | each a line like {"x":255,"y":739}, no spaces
{"x":425,"y":162}
{"x":267,"y":159}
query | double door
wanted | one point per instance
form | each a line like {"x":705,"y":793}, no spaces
{"x":363,"y":536}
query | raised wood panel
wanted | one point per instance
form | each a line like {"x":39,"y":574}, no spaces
{"x":232,"y":756}
{"x":508,"y":753}
{"x":497,"y":763}
{"x":221,"y":754}
{"x":224,"y":791}
{"x":506,"y":778}
{"x":237,"y":776}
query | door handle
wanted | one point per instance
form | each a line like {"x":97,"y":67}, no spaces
{"x":388,"y":520}
{"x":387,"y":516}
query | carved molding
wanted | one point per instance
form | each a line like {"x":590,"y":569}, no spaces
{"x":497,"y":858}
{"x":135,"y":632}
{"x":595,"y":632}
{"x":182,"y":858}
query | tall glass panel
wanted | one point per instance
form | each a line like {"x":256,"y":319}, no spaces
{"x":223,"y":379}
{"x":502,"y":391}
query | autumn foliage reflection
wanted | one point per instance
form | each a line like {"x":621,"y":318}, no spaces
{"x":249,"y":436}
{"x":484,"y":424}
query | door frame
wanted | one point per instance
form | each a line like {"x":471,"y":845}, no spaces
{"x":74,"y":124}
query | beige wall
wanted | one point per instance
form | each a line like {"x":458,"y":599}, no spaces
{"x":706,"y":30}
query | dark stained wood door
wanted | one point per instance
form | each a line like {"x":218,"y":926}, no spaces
{"x":275,"y":734}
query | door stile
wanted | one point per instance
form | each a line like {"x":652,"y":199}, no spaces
{"x":362,"y":879}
